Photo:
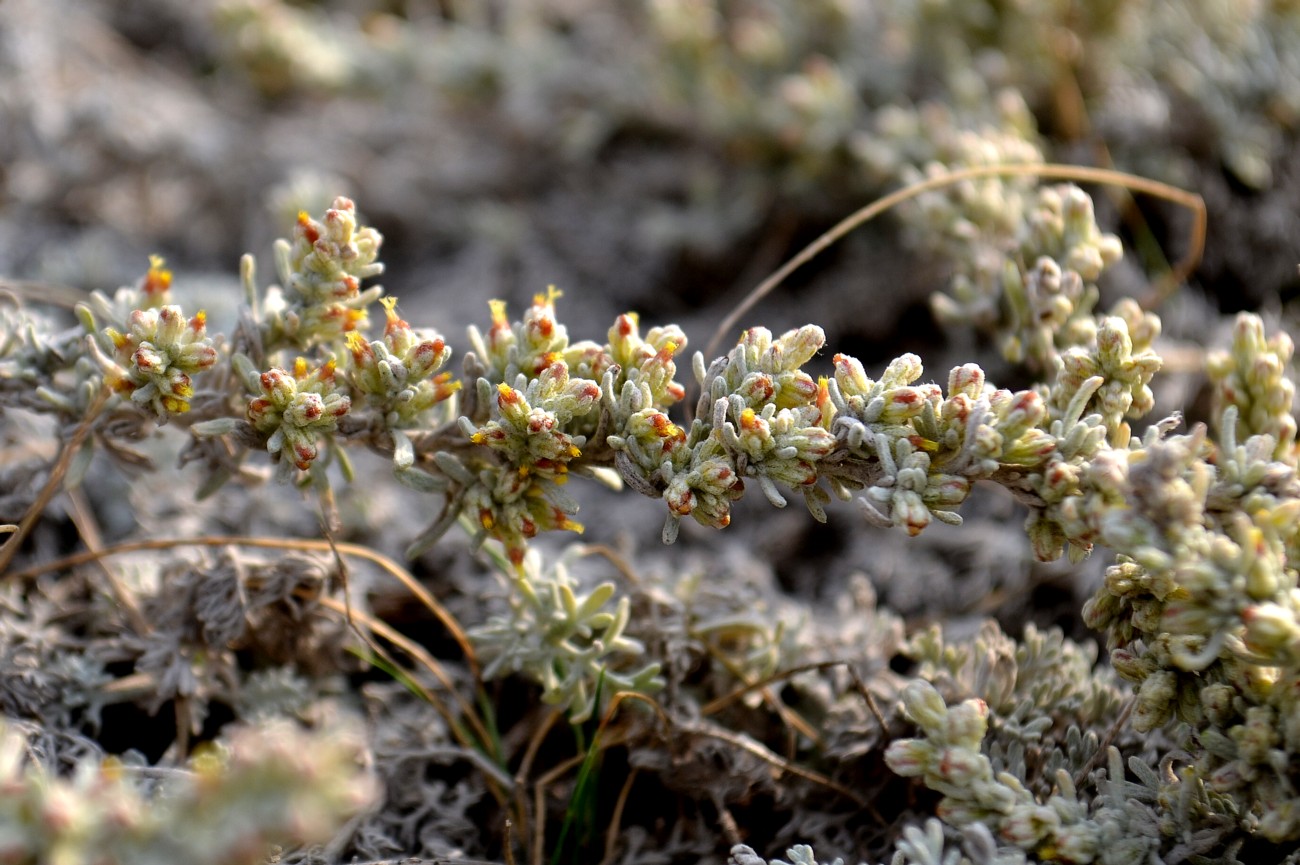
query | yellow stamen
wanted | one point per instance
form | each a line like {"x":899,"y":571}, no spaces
{"x":552,"y":294}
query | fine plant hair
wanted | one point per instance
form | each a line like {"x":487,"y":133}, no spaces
{"x":1182,"y":748}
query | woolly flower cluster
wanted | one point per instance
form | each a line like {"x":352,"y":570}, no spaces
{"x":1033,"y":281}
{"x":294,"y":408}
{"x":158,"y":351}
{"x":399,"y":374}
{"x":155,"y":359}
{"x":757,"y":417}
{"x":320,"y":299}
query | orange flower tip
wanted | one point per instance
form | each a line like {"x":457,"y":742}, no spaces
{"x":574,"y":451}
{"x":507,"y":395}
{"x":429,"y":350}
{"x":498,"y":308}
{"x":923,"y":443}
{"x":486,"y":520}
{"x":724,"y":521}
{"x":528,"y":527}
{"x":516,"y":555}
{"x":748,"y":420}
{"x":478,"y":438}
{"x":158,"y":279}
{"x":199,"y":321}
{"x":300,"y":368}
{"x":327,"y":371}
{"x":625,"y":324}
{"x":310,"y":232}
{"x":572,"y":526}
{"x":395,"y":321}
{"x":119,"y":340}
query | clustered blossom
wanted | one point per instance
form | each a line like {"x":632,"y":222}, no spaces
{"x":1033,"y":282}
{"x":535,"y":406}
{"x":522,"y":498}
{"x":320,"y":299}
{"x":1125,"y":367}
{"x":923,"y":450}
{"x":757,"y":417}
{"x":1252,"y":378}
{"x":295,"y":409}
{"x":527,"y":346}
{"x":642,"y":370}
{"x":155,"y":359}
{"x":948,"y":759}
{"x":399,"y":374}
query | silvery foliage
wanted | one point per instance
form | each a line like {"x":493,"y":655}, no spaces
{"x":567,"y":640}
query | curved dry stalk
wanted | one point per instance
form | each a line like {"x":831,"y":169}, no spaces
{"x":10,"y":548}
{"x":83,"y":518}
{"x":615,"y":558}
{"x":417,"y":652}
{"x":762,"y":752}
{"x":717,"y":704}
{"x":539,"y":795}
{"x":792,"y":719}
{"x":526,"y":766}
{"x":1049,"y":171}
{"x":49,"y":293}
{"x":539,"y":789}
{"x":362,"y":552}
{"x":616,"y":819}
{"x":539,"y":803}
{"x":1106,"y":742}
